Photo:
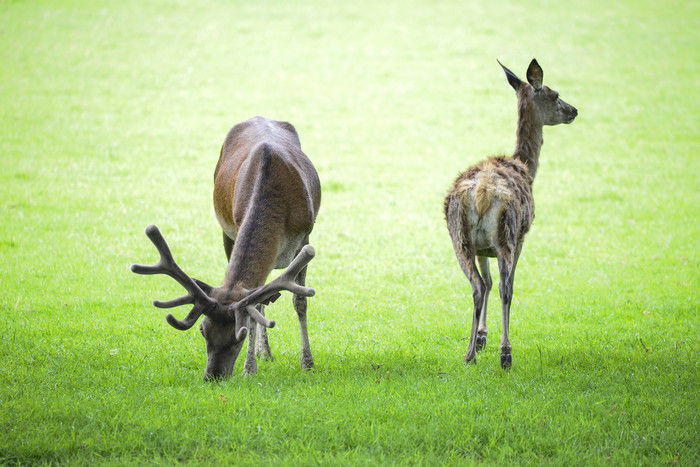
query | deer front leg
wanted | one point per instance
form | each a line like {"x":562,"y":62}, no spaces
{"x":307,"y":359}
{"x":262,"y":345}
{"x":488,"y":283}
{"x":250,"y":367}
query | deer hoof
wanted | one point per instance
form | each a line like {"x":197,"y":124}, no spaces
{"x":480,"y":343}
{"x":307,"y":364}
{"x":250,"y":368}
{"x":265,"y":356}
{"x":470,"y":359}
{"x":506,"y":361}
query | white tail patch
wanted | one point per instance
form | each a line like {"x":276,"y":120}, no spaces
{"x":477,"y":193}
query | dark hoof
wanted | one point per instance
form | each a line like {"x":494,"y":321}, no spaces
{"x":265,"y":356}
{"x":308,"y":366}
{"x":469,"y":360}
{"x":506,"y":361}
{"x":480,"y":343}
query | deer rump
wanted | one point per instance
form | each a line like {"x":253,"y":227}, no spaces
{"x":495,"y":203}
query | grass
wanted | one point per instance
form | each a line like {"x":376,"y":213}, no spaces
{"x":112,"y":117}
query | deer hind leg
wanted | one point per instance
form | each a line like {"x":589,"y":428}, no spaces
{"x":262,"y":344}
{"x":478,"y":294}
{"x":466,"y":260}
{"x":307,"y":359}
{"x":457,"y":227}
{"x":506,"y":265}
{"x":482,"y":332}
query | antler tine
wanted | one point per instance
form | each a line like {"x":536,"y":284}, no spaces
{"x":167,"y":265}
{"x":285,"y":281}
{"x":241,"y":330}
{"x":258,"y":317}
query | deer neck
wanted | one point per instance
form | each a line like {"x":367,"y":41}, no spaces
{"x":251,"y":261}
{"x":529,"y":136}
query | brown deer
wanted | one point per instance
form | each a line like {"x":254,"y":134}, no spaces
{"x":490,"y":207}
{"x":266,"y":198}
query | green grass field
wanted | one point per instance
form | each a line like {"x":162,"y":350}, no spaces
{"x":112,"y":115}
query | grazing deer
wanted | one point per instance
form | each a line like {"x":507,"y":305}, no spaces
{"x":490,"y":207}
{"x":266,"y":198}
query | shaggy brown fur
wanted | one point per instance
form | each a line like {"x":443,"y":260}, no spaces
{"x":503,"y":178}
{"x":490,"y":207}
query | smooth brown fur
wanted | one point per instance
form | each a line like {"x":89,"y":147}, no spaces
{"x":266,"y":198}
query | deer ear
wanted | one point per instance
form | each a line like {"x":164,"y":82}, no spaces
{"x":535,"y":74}
{"x":206,"y":288}
{"x":513,"y":80}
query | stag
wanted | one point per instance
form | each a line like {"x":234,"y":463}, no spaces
{"x":490,"y":207}
{"x":266,"y":198}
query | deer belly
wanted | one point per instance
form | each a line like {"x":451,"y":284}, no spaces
{"x":227,"y":227}
{"x":484,"y":231}
{"x":482,"y":241}
{"x":288,"y":250}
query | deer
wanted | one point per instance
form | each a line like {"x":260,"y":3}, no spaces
{"x":266,"y":196}
{"x":489,"y":208}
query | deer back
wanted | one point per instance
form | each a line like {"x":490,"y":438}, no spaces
{"x":266,"y":197}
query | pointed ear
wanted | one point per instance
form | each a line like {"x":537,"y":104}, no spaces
{"x":512,"y":79}
{"x":206,"y":288}
{"x":535,"y":74}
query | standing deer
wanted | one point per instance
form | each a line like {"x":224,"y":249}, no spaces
{"x":490,"y":207}
{"x":266,"y":198}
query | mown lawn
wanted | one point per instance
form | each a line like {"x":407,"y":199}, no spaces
{"x":112,"y":116}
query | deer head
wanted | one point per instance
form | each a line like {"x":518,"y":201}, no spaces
{"x":547,"y":107}
{"x":226,"y":313}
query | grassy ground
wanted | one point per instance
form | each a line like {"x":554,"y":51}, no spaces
{"x":112,"y":115}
